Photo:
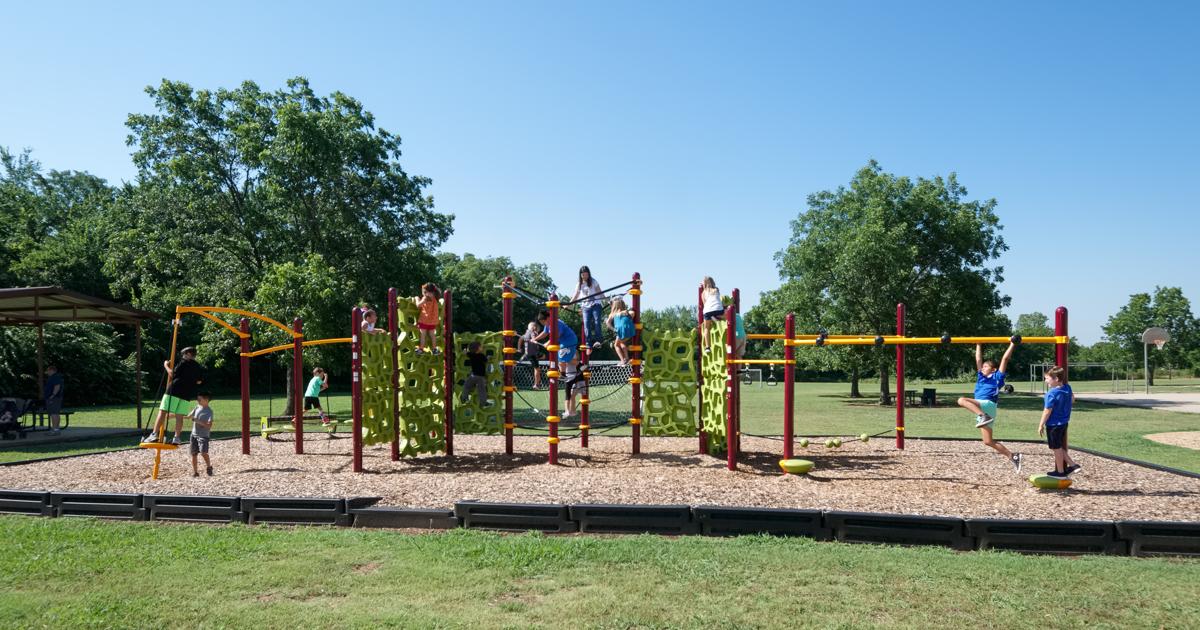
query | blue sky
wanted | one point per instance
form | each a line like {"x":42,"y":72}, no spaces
{"x":679,"y":139}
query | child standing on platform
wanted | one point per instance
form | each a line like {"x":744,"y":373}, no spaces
{"x":1055,"y":416}
{"x":593,"y":309}
{"x":989,"y":378}
{"x":368,"y":323}
{"x":712,"y":309}
{"x":427,"y":322}
{"x":620,"y":321}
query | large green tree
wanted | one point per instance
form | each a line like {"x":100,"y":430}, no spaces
{"x":857,"y":251}
{"x":1167,"y":308}
{"x":232,"y":182}
{"x":475,"y":282}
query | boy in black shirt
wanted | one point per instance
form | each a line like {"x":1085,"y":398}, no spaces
{"x":478,"y":377}
{"x":186,"y":379}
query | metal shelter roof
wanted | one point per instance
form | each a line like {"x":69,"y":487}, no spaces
{"x":31,"y":306}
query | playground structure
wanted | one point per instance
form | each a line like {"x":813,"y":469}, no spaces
{"x":679,"y":385}
{"x":242,"y":331}
{"x":724,"y":335}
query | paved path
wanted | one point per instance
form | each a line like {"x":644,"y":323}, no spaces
{"x":1185,"y":403}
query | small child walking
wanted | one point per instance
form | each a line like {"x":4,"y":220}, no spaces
{"x":427,"y":322}
{"x":202,"y":421}
{"x":532,"y":352}
{"x":312,"y":394}
{"x":989,"y":378}
{"x":1055,"y":417}
{"x":478,"y":377}
{"x":620,"y":321}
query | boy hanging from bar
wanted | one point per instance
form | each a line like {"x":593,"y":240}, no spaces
{"x":989,"y":378}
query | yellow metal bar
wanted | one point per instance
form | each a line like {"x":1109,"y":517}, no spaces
{"x":237,"y":311}
{"x":289,"y":346}
{"x":759,"y":361}
{"x":925,"y":341}
{"x":226,"y":325}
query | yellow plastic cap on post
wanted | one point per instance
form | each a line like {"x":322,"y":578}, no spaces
{"x":553,"y":347}
{"x":552,"y":440}
{"x":552,"y":419}
{"x":635,"y":421}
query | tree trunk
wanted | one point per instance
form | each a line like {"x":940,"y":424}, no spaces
{"x":885,"y":394}
{"x":854,"y":393}
{"x":289,"y":409}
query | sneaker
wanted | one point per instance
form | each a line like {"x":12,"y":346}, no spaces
{"x":175,"y":440}
{"x":420,"y":351}
{"x":983,"y":420}
{"x":55,"y":432}
{"x":1073,"y":468}
{"x":436,"y":351}
{"x":596,"y":346}
{"x":148,"y":439}
{"x":1016,"y":461}
{"x":1057,"y":474}
{"x":208,"y":471}
{"x":195,"y":474}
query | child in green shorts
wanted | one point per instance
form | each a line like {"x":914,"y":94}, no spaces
{"x":186,"y":379}
{"x":989,"y":378}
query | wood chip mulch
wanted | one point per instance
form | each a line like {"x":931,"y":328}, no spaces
{"x":930,"y":477}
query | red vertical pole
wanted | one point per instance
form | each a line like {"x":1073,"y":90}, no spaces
{"x":448,"y":369}
{"x":552,"y":417}
{"x":736,"y":299}
{"x":789,"y":384}
{"x":700,"y":373}
{"x":730,"y":394}
{"x":510,"y":341}
{"x":244,"y":362}
{"x":394,"y":335}
{"x":298,"y":381}
{"x":585,"y":350}
{"x":1060,"y":330}
{"x":635,"y":362}
{"x":900,"y":378}
{"x":356,"y":319}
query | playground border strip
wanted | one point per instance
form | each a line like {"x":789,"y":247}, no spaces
{"x":1037,"y":536}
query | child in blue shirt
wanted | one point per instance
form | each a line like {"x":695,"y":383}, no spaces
{"x":989,"y":378}
{"x":1055,"y":416}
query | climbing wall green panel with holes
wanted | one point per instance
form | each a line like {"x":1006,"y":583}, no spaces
{"x":669,"y":382}
{"x":422,"y":396}
{"x":712,"y":392}
{"x":377,"y":417}
{"x":472,"y":415}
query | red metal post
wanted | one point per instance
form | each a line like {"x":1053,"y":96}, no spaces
{"x":298,"y":381}
{"x":585,"y":351}
{"x":244,"y":362}
{"x":356,"y":319}
{"x":700,"y":373}
{"x":736,"y":299}
{"x":510,"y":341}
{"x":448,"y":369}
{"x":635,"y":362}
{"x":394,"y":335}
{"x":900,"y":378}
{"x":789,"y":384}
{"x":730,"y":394}
{"x":552,"y":415}
{"x":1060,"y":330}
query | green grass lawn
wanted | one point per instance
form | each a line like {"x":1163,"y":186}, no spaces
{"x":821,"y":409}
{"x":68,"y":572}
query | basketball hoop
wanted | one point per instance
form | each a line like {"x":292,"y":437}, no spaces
{"x":1153,"y":335}
{"x":1159,"y":343}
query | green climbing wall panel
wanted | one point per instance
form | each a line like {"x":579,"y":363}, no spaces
{"x":712,"y":367}
{"x":669,"y":382}
{"x":422,"y":397}
{"x":377,"y":389}
{"x":471,"y":416}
